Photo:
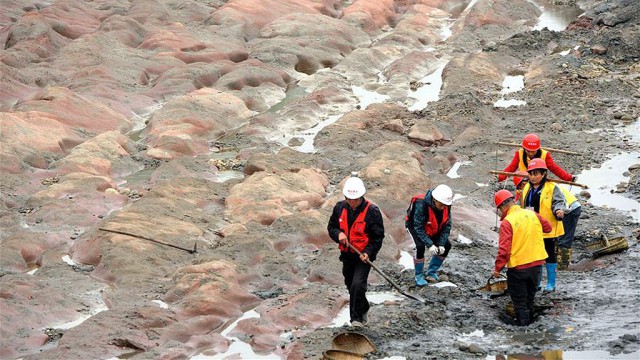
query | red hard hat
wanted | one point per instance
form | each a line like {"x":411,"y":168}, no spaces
{"x":502,"y":196}
{"x":519,"y":179}
{"x":531,"y":142}
{"x":536,"y":164}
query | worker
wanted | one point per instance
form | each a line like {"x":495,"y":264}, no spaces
{"x":569,"y":222}
{"x":428,"y":222}
{"x":358,"y":222}
{"x":545,"y":198}
{"x":521,"y":249}
{"x":519,"y":182}
{"x":531,"y":149}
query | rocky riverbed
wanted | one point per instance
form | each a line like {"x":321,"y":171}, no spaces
{"x":219,"y":134}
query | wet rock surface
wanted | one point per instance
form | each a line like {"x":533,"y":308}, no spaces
{"x":136,"y":133}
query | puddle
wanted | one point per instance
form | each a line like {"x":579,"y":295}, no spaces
{"x":308,"y":136}
{"x":453,"y":172}
{"x":367,"y":97}
{"x":555,"y":18}
{"x":567,"y":355}
{"x":510,"y":85}
{"x":222,"y":176}
{"x":604,"y":179}
{"x":406,"y":260}
{"x":238,"y":349}
{"x":375,"y":298}
{"x":429,"y":91}
{"x":458,"y":197}
{"x":481,"y":184}
{"x":443,"y":284}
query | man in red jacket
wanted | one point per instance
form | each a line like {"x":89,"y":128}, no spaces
{"x":531,"y":149}
{"x":357,"y":221}
{"x":521,"y":249}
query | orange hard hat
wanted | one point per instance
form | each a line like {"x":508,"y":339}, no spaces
{"x":517,"y":180}
{"x":531,"y":142}
{"x":536,"y":164}
{"x":501,"y":196}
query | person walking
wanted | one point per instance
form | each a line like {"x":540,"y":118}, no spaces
{"x":547,"y":199}
{"x":569,"y":222}
{"x":358,"y":222}
{"x":521,"y":249}
{"x":428,"y":222}
{"x":531,"y":149}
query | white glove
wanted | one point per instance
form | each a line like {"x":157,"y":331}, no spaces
{"x":440,"y":250}
{"x":433,"y":250}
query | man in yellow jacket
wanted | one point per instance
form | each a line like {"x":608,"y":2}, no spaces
{"x":521,"y":249}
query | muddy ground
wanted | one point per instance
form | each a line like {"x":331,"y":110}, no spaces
{"x":179,"y":136}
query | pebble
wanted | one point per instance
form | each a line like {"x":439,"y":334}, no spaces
{"x":475,"y":349}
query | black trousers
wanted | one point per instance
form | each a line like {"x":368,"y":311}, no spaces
{"x":550,"y":246}
{"x":523,"y":284}
{"x":355,"y":274}
{"x":570,"y":222}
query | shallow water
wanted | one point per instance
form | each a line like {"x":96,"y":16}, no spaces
{"x":556,"y":18}
{"x":428,"y":92}
{"x":510,"y":85}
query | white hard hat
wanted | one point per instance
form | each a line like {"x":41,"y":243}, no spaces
{"x":354,"y":188}
{"x":443,"y":194}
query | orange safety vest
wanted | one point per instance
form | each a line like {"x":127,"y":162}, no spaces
{"x":522,"y":154}
{"x":527,"y":245}
{"x":355,"y":233}
{"x":431,"y":227}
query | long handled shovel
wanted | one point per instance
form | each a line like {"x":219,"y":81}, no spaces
{"x":411,"y":296}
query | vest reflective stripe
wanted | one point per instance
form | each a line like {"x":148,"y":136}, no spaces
{"x":546,"y":210}
{"x":355,"y":233}
{"x":431,"y":227}
{"x":522,"y":154}
{"x":527,"y":245}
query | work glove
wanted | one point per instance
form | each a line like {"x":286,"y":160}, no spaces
{"x":440,"y":250}
{"x":433,"y":250}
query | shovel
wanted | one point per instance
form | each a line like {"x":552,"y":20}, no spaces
{"x":411,"y":296}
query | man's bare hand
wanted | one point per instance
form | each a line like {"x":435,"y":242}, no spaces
{"x":342,"y":238}
{"x":364,"y":257}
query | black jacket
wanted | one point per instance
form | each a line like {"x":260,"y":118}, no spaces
{"x":374,"y":228}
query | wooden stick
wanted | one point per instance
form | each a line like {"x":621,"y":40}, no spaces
{"x":545,"y":148}
{"x":548,"y":179}
{"x":190,"y":251}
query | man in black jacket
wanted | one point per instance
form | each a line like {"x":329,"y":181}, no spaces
{"x":358,"y":222}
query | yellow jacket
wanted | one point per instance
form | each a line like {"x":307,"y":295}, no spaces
{"x":551,"y":200}
{"x":527,"y":244}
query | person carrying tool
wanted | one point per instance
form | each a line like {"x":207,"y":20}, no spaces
{"x":521,"y":249}
{"x":531,"y":149}
{"x":519,"y":182}
{"x":547,"y":199}
{"x":357,"y":221}
{"x":428,"y":222}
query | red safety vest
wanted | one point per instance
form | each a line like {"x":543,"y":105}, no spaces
{"x":432,"y":228}
{"x":355,"y":233}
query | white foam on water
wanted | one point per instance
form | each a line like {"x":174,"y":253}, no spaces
{"x":453,"y":172}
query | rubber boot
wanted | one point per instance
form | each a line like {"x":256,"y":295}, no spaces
{"x":540,"y":281}
{"x":551,"y":277}
{"x":432,"y":270}
{"x":564,"y":258}
{"x":420,"y":281}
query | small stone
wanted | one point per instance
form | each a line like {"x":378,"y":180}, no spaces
{"x":475,"y":349}
{"x":415,"y":344}
{"x":387,"y":171}
{"x":556,"y":127}
{"x":598,"y":49}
